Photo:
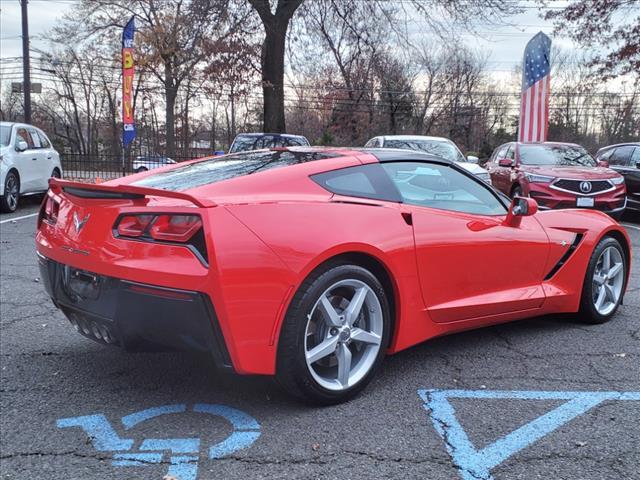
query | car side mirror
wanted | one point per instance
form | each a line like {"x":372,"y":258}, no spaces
{"x":520,"y":207}
{"x":603,"y":163}
{"x":638,"y":164}
{"x":472,"y":159}
{"x":21,"y":146}
{"x":505,"y":162}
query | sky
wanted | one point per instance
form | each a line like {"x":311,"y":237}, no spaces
{"x":504,"y":44}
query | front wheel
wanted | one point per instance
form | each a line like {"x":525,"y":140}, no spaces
{"x":334,"y":335}
{"x":604,"y":282}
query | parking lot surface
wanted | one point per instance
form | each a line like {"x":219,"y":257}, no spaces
{"x":541,"y":398}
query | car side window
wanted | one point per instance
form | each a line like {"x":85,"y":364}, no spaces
{"x":605,"y":155}
{"x":621,"y":156}
{"x":44,"y":141}
{"x":635,"y":158}
{"x":364,"y":181}
{"x":22,"y":135}
{"x":35,"y":138}
{"x":511,"y":153}
{"x":443,"y":187}
{"x":500,"y":153}
{"x":371,"y":143}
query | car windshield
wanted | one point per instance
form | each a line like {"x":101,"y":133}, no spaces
{"x":217,"y":169}
{"x":561,"y":155}
{"x":434,"y":147}
{"x":5,"y":135}
{"x":243,"y":143}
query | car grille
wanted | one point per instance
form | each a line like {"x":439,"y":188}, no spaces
{"x":597,"y":186}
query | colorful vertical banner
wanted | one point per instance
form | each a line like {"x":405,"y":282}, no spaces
{"x":536,"y":82}
{"x":128,"y":70}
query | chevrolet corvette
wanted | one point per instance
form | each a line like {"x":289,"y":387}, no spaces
{"x":312,"y":264}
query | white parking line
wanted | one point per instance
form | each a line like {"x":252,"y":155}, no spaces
{"x":635,"y":227}
{"x":18,"y":218}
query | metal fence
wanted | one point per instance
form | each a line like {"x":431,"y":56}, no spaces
{"x":97,"y":168}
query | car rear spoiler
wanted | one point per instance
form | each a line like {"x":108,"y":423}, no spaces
{"x":100,"y":191}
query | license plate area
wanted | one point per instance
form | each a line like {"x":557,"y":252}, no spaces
{"x":80,"y":284}
{"x":585,"y":202}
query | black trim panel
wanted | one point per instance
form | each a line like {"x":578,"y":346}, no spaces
{"x":565,"y":257}
{"x":135,"y":316}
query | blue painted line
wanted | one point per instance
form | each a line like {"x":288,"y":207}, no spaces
{"x":236,"y":441}
{"x":135,"y":459}
{"x":99,"y":430}
{"x":475,"y":464}
{"x":132,"y":420}
{"x":525,"y":394}
{"x":184,"y":467}
{"x":175,"y":445}
{"x":237,"y":418}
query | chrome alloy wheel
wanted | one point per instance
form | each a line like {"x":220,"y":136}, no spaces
{"x":11,"y":191}
{"x":343,"y":334}
{"x":608,"y":280}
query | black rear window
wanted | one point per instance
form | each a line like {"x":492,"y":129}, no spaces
{"x":218,"y":169}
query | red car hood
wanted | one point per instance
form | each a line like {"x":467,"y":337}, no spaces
{"x":581,"y":173}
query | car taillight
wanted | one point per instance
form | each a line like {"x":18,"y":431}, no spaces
{"x":175,"y":228}
{"x":164,"y":228}
{"x":49,"y":211}
{"x":134,"y":225}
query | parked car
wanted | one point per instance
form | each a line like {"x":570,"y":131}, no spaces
{"x":442,"y":147}
{"x":255,"y":141}
{"x":624,"y":158}
{"x":557,"y":175}
{"x":312,"y":265}
{"x":27,"y":161}
{"x":144,"y":163}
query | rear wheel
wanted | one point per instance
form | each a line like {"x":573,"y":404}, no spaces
{"x":10,"y":194}
{"x":141,"y":169}
{"x":604,"y":282}
{"x":334,"y":335}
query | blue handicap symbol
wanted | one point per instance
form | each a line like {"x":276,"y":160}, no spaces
{"x":184,"y":452}
{"x":476,"y":464}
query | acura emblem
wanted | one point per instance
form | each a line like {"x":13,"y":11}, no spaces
{"x":79,"y":223}
{"x":585,"y":187}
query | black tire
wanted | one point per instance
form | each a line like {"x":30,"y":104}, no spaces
{"x":292,"y":371}
{"x":56,"y":173}
{"x":10,"y":193}
{"x":141,"y":169}
{"x":588,"y":312}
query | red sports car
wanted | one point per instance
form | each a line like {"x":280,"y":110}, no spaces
{"x":312,"y":264}
{"x":557,"y":175}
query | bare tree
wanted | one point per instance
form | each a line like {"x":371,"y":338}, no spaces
{"x":275,"y":24}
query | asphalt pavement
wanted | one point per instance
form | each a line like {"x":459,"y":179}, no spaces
{"x":542,"y":398}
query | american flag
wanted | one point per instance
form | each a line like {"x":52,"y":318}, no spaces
{"x":536,"y":77}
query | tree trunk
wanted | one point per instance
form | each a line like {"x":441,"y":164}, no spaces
{"x":170,"y":120}
{"x":273,"y":51}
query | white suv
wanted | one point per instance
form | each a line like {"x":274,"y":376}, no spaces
{"x":27,"y":161}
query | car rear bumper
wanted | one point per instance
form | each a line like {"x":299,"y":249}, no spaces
{"x":134,"y":316}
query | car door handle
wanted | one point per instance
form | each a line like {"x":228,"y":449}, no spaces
{"x":34,"y":158}
{"x":49,"y":157}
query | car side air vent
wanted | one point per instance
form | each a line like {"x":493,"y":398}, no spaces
{"x":565,"y":257}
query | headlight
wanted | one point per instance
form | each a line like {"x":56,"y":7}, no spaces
{"x":617,"y":180}
{"x":538,"y":178}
